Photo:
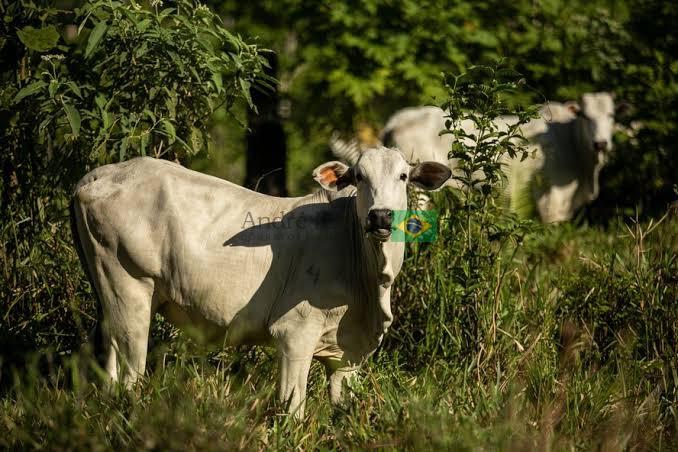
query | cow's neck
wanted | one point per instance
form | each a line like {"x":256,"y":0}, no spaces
{"x":385,"y":259}
{"x":375,"y":265}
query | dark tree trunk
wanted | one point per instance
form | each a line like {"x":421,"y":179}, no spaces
{"x":266,"y":143}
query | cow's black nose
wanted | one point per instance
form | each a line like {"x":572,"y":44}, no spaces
{"x":600,"y":145}
{"x":380,"y":219}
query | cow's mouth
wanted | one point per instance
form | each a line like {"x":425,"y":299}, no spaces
{"x":600,"y":146}
{"x":381,"y":234}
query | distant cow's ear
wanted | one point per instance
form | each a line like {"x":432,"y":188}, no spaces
{"x":333,"y":176}
{"x":429,"y":175}
{"x":622,"y":108}
{"x":573,"y":107}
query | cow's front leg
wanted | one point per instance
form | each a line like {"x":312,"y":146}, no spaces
{"x":297,"y":333}
{"x":340,"y":378}
{"x":292,"y":385}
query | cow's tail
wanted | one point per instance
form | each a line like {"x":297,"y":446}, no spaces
{"x":96,"y":336}
{"x":348,"y":151}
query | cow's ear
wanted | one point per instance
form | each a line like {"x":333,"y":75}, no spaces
{"x":622,"y":108}
{"x":429,"y":175}
{"x":573,"y":107}
{"x":333,"y":176}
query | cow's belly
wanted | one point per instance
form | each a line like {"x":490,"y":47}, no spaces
{"x":242,"y":329}
{"x":225,"y":291}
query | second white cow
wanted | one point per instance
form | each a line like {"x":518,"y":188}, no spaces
{"x":571,"y":140}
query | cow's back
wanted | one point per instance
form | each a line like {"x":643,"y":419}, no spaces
{"x":167,"y":224}
{"x":414,"y":131}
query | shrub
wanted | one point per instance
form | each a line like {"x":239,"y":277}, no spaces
{"x":106,"y":82}
{"x":450,"y":299}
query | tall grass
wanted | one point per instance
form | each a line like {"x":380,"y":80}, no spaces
{"x":583,"y":357}
{"x":577,"y":351}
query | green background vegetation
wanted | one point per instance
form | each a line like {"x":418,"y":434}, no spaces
{"x":507,"y":334}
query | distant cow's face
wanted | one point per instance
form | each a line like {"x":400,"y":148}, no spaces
{"x":596,"y":120}
{"x":381,"y":176}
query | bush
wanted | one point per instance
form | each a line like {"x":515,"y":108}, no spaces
{"x":119,"y":81}
{"x":462,"y":273}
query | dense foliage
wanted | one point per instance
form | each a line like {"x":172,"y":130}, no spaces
{"x":99,"y":84}
{"x":363,"y":60}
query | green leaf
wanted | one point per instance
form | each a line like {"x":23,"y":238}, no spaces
{"x":73,"y":118}
{"x":149,"y":114}
{"x":170,"y":102}
{"x":39,"y":39}
{"x":196,"y":140}
{"x":169,"y":130}
{"x":143,"y":25}
{"x":123,"y":148}
{"x":53,"y":87}
{"x":107,"y":119}
{"x":218,"y":82}
{"x":100,"y":101}
{"x":245,"y":85}
{"x":165,"y":12}
{"x":95,"y":36}
{"x":29,"y":90}
{"x":75,"y":88}
{"x":45,"y":122}
{"x":143,"y":142}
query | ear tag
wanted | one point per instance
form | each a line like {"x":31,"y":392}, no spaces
{"x":328,"y":176}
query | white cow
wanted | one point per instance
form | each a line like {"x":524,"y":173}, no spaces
{"x":311,"y":276}
{"x":572,"y":141}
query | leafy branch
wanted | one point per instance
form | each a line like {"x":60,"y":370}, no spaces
{"x":487,"y":133}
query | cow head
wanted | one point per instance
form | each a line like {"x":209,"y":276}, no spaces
{"x":380,"y":176}
{"x":595,"y":120}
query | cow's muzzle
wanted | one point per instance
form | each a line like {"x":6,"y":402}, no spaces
{"x":380,"y":223}
{"x":600,"y":146}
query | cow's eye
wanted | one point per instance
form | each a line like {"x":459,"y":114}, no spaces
{"x":403,"y":177}
{"x":358,"y":177}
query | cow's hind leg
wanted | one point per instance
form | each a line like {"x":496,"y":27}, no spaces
{"x":126,"y":312}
